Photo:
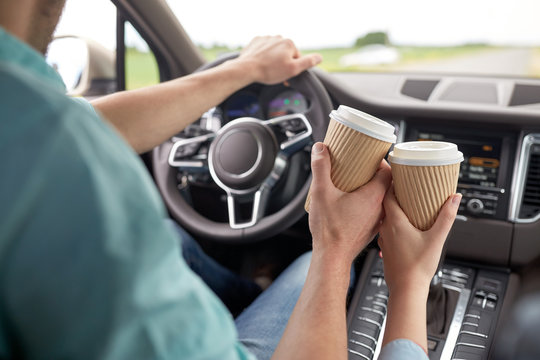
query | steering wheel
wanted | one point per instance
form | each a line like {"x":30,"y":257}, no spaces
{"x":246,"y":158}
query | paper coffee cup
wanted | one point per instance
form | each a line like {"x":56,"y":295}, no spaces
{"x":357,"y":143}
{"x":425,"y":175}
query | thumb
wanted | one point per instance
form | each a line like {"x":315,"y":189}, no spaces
{"x":320,"y":167}
{"x":447,"y":215}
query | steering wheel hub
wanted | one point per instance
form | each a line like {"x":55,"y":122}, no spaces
{"x":243,"y":154}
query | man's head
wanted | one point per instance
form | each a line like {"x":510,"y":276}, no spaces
{"x":32,"y":21}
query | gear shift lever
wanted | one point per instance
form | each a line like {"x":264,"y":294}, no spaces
{"x":441,"y":303}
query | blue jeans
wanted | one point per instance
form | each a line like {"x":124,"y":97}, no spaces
{"x":261,"y":325}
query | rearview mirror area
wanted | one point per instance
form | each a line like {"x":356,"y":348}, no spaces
{"x":86,"y":67}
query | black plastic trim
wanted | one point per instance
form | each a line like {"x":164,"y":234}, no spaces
{"x":419,"y":89}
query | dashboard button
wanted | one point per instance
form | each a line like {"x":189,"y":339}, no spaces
{"x":475,"y":206}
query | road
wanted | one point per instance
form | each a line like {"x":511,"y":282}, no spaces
{"x":513,"y":61}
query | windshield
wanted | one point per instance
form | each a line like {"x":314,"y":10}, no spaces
{"x":483,"y":37}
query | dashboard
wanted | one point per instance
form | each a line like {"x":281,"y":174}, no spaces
{"x":499,"y":219}
{"x":500,"y":175}
{"x":494,"y":243}
{"x":264,"y":103}
{"x":484,"y":179}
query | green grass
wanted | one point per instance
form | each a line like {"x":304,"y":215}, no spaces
{"x":409,"y":55}
{"x":141,"y":68}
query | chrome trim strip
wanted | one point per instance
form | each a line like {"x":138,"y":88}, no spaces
{"x":455,"y":326}
{"x":362,"y":345}
{"x":470,"y":345}
{"x":512,"y":200}
{"x":373,"y":322}
{"x":366,"y":336}
{"x":378,"y":348}
{"x":483,"y":336}
{"x":254,"y":214}
{"x":378,"y":303}
{"x":455,"y":273}
{"x":520,"y":176}
{"x":187,"y":163}
{"x":401,"y":132}
{"x":365,"y":308}
{"x":358,"y":354}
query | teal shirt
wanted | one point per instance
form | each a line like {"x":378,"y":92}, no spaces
{"x":88,"y":267}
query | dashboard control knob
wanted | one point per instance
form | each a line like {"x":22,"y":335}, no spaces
{"x":475,"y":206}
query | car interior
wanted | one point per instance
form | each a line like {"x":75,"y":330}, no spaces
{"x":256,"y":225}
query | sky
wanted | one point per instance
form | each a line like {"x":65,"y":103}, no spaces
{"x":332,"y":23}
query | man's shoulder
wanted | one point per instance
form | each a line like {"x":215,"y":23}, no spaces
{"x":31,"y":105}
{"x":18,"y":86}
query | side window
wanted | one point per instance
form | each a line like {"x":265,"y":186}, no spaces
{"x":141,"y":67}
{"x":113,"y":55}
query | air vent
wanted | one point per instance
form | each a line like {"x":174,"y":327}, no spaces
{"x":471,"y":92}
{"x":525,"y":206}
{"x":530,"y":205}
{"x":524,"y":94}
{"x":419,"y":89}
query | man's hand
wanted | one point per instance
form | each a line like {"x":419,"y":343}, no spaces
{"x":276,"y":59}
{"x":343,"y":223}
{"x":147,"y":117}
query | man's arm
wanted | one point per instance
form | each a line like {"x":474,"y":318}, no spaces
{"x":147,"y":117}
{"x":341,"y":224}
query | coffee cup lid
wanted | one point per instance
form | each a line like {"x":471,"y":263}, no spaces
{"x":425,"y":153}
{"x":364,"y":123}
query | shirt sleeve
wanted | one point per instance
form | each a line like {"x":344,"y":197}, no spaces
{"x":92,"y":271}
{"x":402,"y":349}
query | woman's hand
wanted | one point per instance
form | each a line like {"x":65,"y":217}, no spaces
{"x":411,"y":256}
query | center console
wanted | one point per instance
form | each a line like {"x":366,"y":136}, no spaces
{"x":475,"y":300}
{"x":485,"y":174}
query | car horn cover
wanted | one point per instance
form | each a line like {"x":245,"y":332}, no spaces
{"x":243,"y":155}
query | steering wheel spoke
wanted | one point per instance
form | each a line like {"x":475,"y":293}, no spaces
{"x":259,"y":199}
{"x":297,"y":130}
{"x":186,"y":154}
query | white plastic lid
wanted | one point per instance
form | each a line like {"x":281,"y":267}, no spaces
{"x":364,"y":123}
{"x":425,"y":153}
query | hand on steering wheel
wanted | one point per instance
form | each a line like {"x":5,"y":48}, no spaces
{"x":245,"y":158}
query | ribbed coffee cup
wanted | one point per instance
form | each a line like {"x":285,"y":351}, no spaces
{"x":357,"y":142}
{"x":425,"y":175}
